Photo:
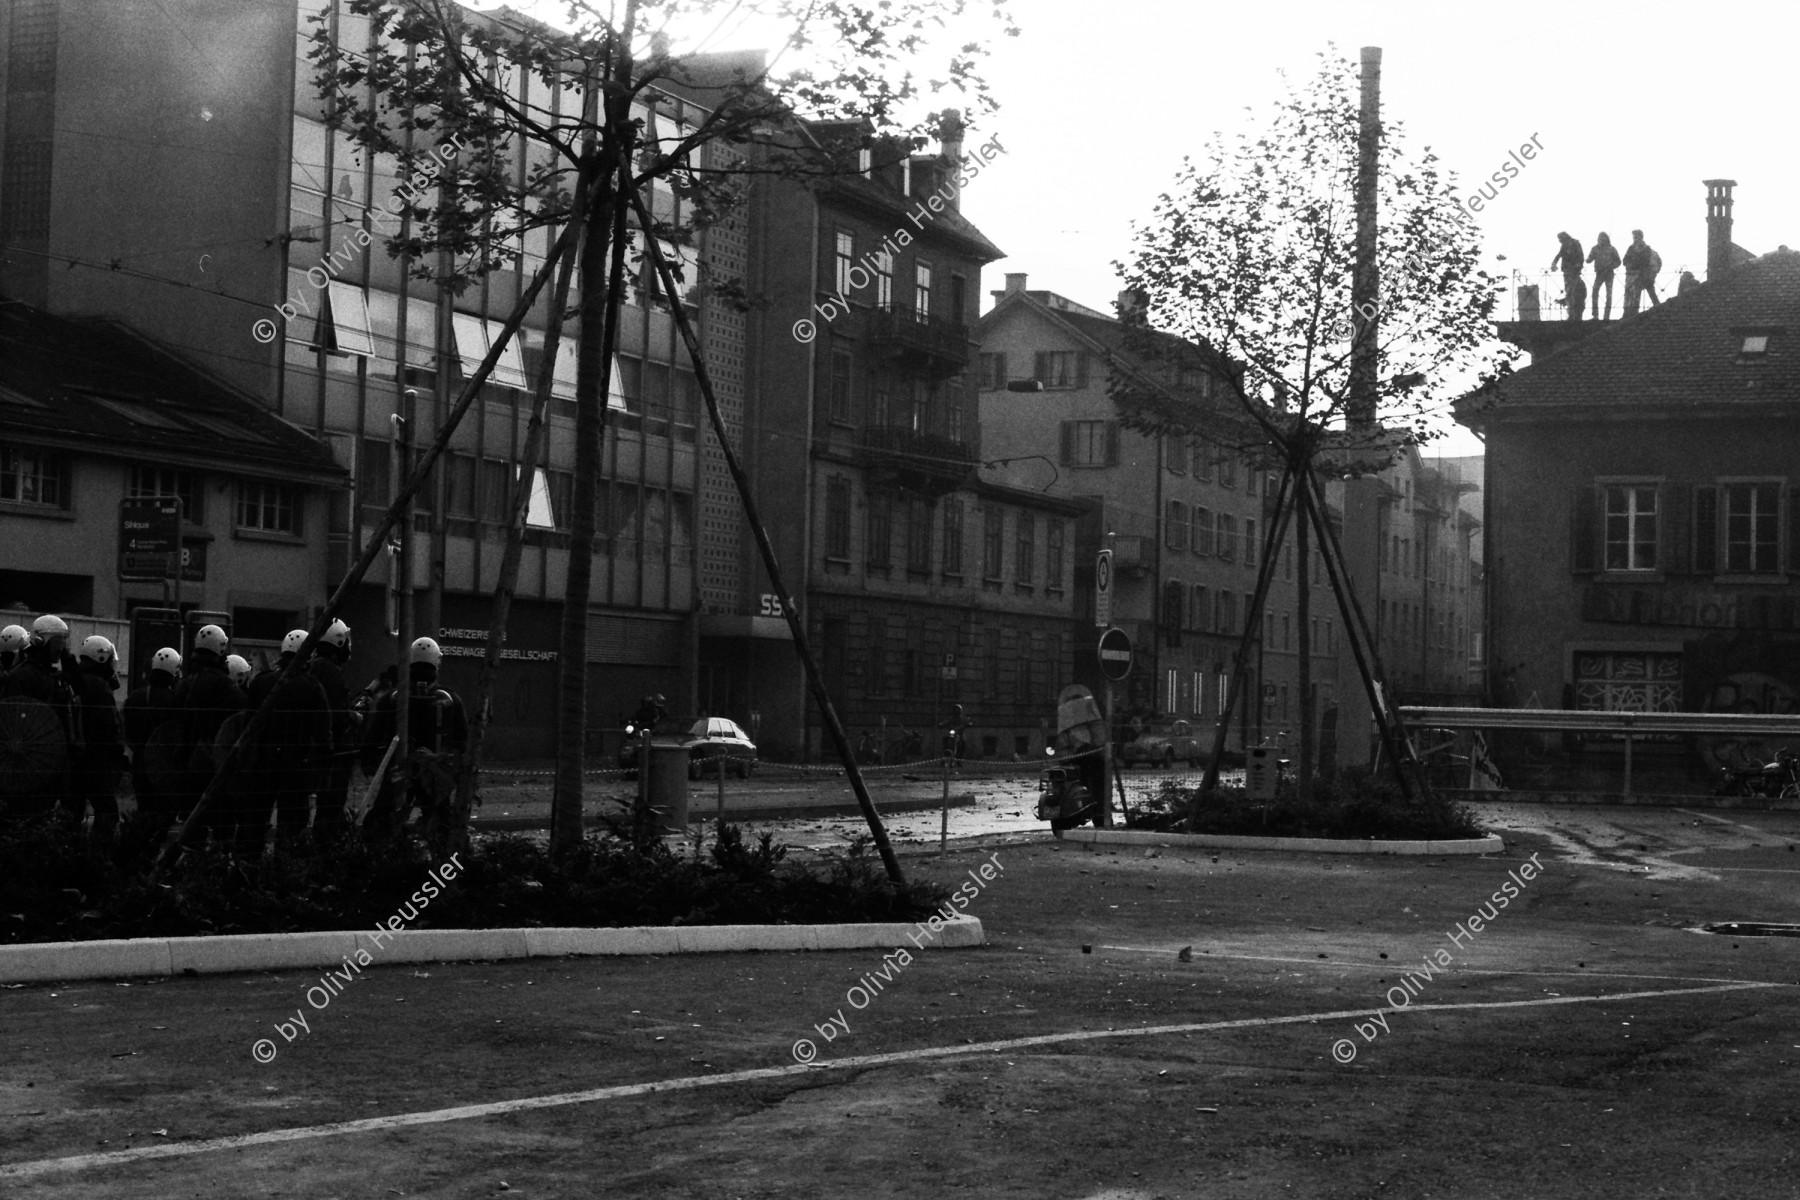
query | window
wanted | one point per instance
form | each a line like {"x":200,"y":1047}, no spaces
{"x":1060,"y":368}
{"x":1227,"y":538}
{"x":959,"y":300}
{"x":993,"y":541}
{"x":1025,"y":549}
{"x":1171,"y":690}
{"x":918,"y":536}
{"x":840,"y":385}
{"x":1197,"y":699}
{"x":884,"y":280}
{"x":268,"y":507}
{"x":1755,"y":344}
{"x":1053,"y":554}
{"x":1202,"y":617}
{"x":167,"y":481}
{"x":953,"y":539}
{"x":922,"y":291}
{"x":1203,"y":532}
{"x":837,"y":517}
{"x":1090,"y":443}
{"x":1631,"y":527}
{"x":880,"y":536}
{"x":1752,"y":527}
{"x":1249,"y":541}
{"x":953,"y":409}
{"x":1227,"y":470}
{"x":993,"y":372}
{"x":1174,"y":609}
{"x":494,"y":484}
{"x":35,"y":477}
{"x":878,"y":402}
{"x":1225,"y":613}
{"x":1200,"y":455}
{"x":1175,"y":526}
{"x":846,"y":257}
{"x":1177,"y":456}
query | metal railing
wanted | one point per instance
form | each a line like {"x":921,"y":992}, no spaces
{"x":1628,"y":725}
{"x":1540,"y":296}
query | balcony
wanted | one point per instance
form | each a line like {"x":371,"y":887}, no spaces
{"x":929,"y":464}
{"x":932,"y":344}
{"x":1134,"y":556}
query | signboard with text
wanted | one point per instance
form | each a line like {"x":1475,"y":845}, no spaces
{"x":1103,"y":589}
{"x":149,"y":537}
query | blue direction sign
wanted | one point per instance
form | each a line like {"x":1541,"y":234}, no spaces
{"x":1115,"y":654}
{"x":149,"y":537}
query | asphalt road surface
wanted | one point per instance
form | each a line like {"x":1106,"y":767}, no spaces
{"x":1313,"y":1041}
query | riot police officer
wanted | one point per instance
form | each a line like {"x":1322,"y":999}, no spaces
{"x":148,"y":706}
{"x":205,"y":699}
{"x":286,"y":764}
{"x":327,"y":667}
{"x":437,"y":730}
{"x":39,"y":676}
{"x":98,"y":752}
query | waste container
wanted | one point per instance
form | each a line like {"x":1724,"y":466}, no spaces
{"x":668,"y":792}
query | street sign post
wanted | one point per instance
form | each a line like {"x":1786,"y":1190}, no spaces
{"x":1115,"y":664}
{"x":1103,"y":589}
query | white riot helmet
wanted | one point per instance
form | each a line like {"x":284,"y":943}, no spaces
{"x":167,"y":659}
{"x":425,"y":650}
{"x":238,"y":667}
{"x":295,"y":639}
{"x":99,"y":651}
{"x":50,"y":630}
{"x":14,"y":638}
{"x":211,"y":638}
{"x":337,"y":636}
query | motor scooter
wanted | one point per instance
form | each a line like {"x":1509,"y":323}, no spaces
{"x":1072,"y":787}
{"x":1778,"y":780}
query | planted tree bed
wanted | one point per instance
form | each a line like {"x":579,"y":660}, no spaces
{"x":1354,"y":806}
{"x":57,"y":888}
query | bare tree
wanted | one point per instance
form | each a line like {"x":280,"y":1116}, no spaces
{"x":1250,"y":259}
{"x":438,"y":73}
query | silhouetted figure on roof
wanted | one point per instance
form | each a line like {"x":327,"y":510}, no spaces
{"x":1569,"y":260}
{"x":1641,"y":265}
{"x":1605,"y":257}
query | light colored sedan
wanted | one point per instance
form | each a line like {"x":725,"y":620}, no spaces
{"x":717,"y":742}
{"x":1161,"y":744}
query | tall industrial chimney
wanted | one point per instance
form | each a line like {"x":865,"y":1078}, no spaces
{"x":1718,"y":227}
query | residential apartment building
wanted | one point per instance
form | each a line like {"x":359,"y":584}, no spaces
{"x":1643,"y":518}
{"x":925,"y":583}
{"x":1426,"y":606}
{"x":1185,"y":516}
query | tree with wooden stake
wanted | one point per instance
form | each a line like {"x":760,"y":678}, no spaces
{"x":638,"y":114}
{"x":1245,"y":270}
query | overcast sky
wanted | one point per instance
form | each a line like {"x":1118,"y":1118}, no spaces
{"x":1633,"y":104}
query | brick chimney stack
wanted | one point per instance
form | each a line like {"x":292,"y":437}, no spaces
{"x":1015,"y":282}
{"x":1718,"y":227}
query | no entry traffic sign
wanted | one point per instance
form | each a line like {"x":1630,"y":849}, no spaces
{"x":1115,"y":654}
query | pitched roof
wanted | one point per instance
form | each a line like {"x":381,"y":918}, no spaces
{"x":1685,"y":354}
{"x":96,"y":387}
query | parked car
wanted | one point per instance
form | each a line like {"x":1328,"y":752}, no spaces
{"x":1162,"y":743}
{"x":712,"y":743}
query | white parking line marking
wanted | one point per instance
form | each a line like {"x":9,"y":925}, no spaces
{"x":81,"y":1162}
{"x":1398,"y":964}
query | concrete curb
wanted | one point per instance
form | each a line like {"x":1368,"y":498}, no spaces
{"x":1620,"y":800}
{"x":704,"y":813}
{"x":41,"y":962}
{"x":1491,"y":844}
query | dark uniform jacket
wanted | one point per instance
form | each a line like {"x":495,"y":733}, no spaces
{"x":101,"y":743}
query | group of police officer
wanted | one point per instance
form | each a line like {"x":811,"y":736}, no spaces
{"x":178,"y":726}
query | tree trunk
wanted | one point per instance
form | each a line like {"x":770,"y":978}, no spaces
{"x":456,"y":836}
{"x":1303,"y":614}
{"x":599,"y":336}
